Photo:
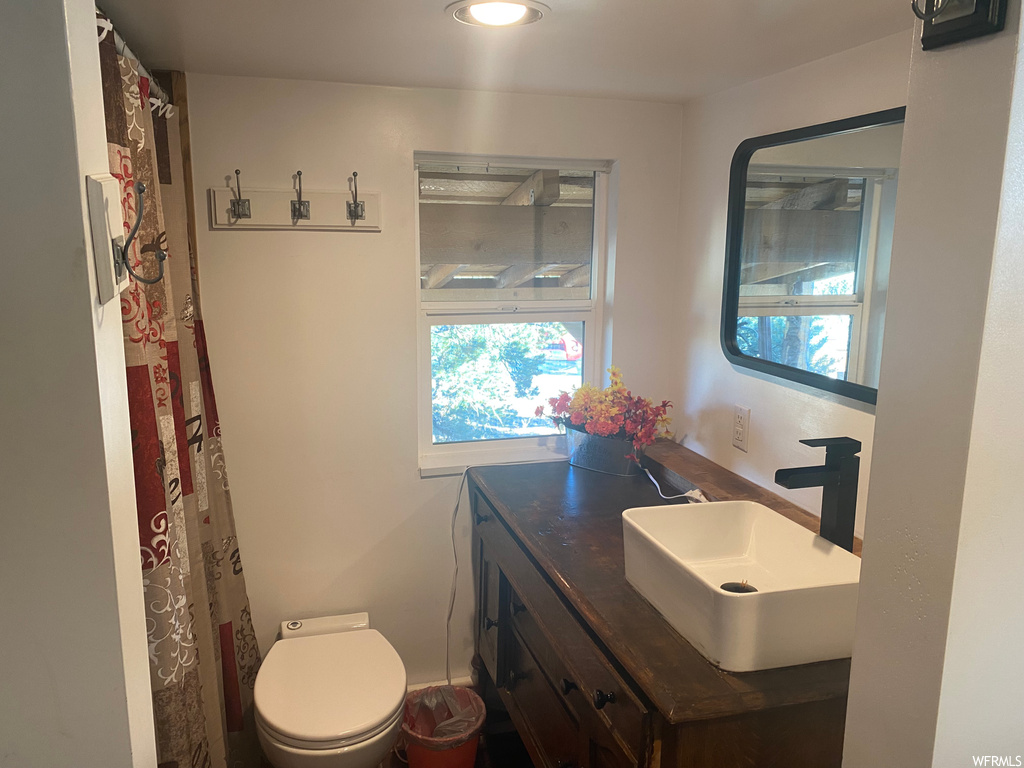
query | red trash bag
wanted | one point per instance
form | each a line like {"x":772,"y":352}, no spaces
{"x":441,"y":727}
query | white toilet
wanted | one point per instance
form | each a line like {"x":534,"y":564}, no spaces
{"x":330,"y":694}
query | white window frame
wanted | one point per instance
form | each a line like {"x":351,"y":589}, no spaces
{"x":856,"y":304}
{"x":804,"y":307}
{"x":453,"y":458}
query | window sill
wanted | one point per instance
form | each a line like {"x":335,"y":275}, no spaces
{"x":455,"y":459}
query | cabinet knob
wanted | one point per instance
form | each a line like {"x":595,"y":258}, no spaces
{"x":601,"y":698}
{"x":489,"y":623}
{"x":517,"y":608}
{"x":480,"y":518}
{"x":568,"y":686}
{"x":510,"y":680}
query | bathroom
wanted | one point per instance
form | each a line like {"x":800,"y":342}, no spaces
{"x":315,"y":338}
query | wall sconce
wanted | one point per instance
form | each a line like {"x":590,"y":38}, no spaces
{"x":951,"y":21}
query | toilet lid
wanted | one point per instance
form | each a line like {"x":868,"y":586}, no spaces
{"x":330,"y":688}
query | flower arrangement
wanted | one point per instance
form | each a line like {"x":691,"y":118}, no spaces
{"x":611,"y":412}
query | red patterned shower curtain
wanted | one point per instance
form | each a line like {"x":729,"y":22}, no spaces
{"x":202,"y":649}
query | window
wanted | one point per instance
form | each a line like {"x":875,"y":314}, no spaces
{"x":802,"y":309}
{"x":487,"y":378}
{"x":510,"y":280}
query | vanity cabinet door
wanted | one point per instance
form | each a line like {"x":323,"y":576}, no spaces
{"x":590,"y":686}
{"x":598,"y":752}
{"x":549,"y":731}
{"x":588,"y":681}
{"x":602,"y":744}
{"x":488,"y":583}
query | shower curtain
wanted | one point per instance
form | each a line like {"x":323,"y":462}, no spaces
{"x":202,"y":649}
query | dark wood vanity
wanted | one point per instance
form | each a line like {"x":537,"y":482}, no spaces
{"x":591,"y":674}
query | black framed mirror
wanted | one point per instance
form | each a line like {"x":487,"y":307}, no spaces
{"x":808,"y":246}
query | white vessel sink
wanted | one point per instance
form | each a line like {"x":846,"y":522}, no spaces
{"x":679,"y":556}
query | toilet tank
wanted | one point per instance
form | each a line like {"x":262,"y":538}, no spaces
{"x":324,"y":625}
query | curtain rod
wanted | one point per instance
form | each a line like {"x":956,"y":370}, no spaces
{"x":122,"y":48}
{"x":154,"y":86}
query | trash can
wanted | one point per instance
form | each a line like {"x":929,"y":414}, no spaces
{"x":441,"y":727}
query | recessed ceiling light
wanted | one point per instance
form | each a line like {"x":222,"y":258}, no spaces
{"x":497,"y":14}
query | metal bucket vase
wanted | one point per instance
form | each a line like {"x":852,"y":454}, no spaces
{"x":601,"y":454}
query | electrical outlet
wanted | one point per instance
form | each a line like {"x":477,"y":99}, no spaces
{"x":741,"y":427}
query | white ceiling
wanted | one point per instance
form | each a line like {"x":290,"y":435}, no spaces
{"x":663,"y":50}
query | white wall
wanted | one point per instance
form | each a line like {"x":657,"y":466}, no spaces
{"x":946,"y":458}
{"x":74,"y":668}
{"x":865,"y":79}
{"x":981,"y":705}
{"x":313,"y":335}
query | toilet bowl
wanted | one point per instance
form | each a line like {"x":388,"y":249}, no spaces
{"x":329,"y":694}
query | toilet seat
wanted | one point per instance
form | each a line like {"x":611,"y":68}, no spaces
{"x":329,"y":691}
{"x":328,"y":745}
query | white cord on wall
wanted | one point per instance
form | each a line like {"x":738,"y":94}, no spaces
{"x":455,"y":556}
{"x":455,"y":580}
{"x":694,"y":496}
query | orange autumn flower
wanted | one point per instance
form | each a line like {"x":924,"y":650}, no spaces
{"x":611,"y":412}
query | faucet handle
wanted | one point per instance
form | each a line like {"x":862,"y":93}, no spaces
{"x":837,"y":446}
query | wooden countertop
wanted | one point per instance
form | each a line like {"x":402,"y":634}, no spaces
{"x":569,"y":521}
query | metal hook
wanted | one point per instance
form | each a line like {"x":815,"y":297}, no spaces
{"x":140,"y":189}
{"x":121,"y":255}
{"x":300,"y":207}
{"x":940,"y":6}
{"x":356,"y":209}
{"x":240,"y":207}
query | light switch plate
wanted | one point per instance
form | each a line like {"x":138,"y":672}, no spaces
{"x":107,"y":225}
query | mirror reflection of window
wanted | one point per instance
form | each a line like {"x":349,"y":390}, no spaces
{"x":814,"y":253}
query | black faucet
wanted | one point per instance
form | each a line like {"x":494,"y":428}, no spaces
{"x":838,"y":480}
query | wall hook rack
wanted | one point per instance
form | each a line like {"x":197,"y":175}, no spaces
{"x":121,"y":251}
{"x":355,"y":207}
{"x":240,"y":208}
{"x":300,"y":207}
{"x":346,"y":208}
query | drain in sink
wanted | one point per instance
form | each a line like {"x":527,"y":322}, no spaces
{"x":739,"y":586}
